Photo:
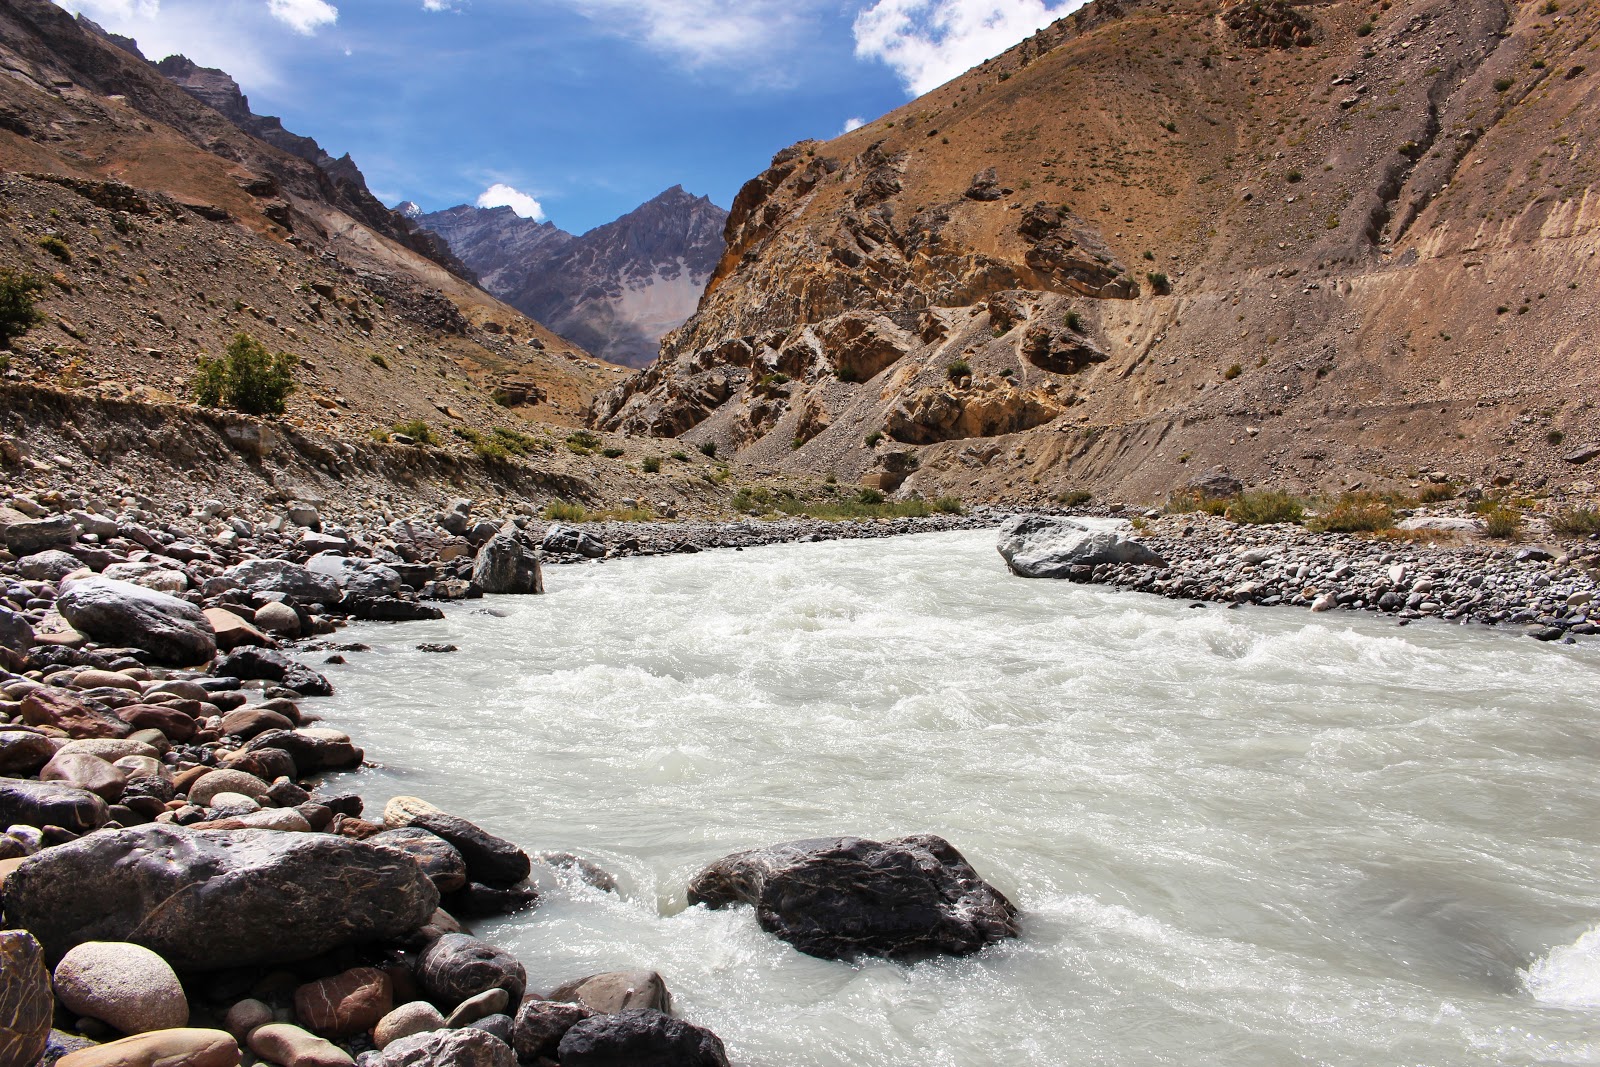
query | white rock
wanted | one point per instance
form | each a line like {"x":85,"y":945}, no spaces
{"x":125,"y":986}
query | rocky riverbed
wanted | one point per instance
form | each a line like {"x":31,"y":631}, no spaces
{"x":163,"y":783}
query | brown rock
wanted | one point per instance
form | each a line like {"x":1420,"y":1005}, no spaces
{"x":291,"y":1046}
{"x":86,"y":772}
{"x":25,"y":1000}
{"x":346,"y":1004}
{"x":233,"y":631}
{"x":71,"y":714}
{"x":185,"y":1047}
{"x":247,"y":722}
{"x":174,"y":723}
{"x":616,"y":991}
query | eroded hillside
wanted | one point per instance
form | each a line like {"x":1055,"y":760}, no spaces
{"x":1318,"y":244}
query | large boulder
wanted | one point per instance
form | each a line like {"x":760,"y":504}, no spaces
{"x":508,"y":563}
{"x":49,"y":566}
{"x":640,"y":1038}
{"x":467,"y":1047}
{"x":24,"y":751}
{"x":282,"y":576}
{"x":616,"y":991}
{"x":1047,"y":546}
{"x":570,"y":540}
{"x":541,"y":1024}
{"x":86,"y":771}
{"x":50,"y":804}
{"x":842,"y":897}
{"x":172,"y":631}
{"x":312,"y":751}
{"x":357,"y":577}
{"x":25,"y":1001}
{"x":40,"y":535}
{"x":126,"y":986}
{"x":491,"y":860}
{"x":457,"y":966}
{"x":218,"y":898}
{"x":265,"y":664}
{"x":184,"y":1047}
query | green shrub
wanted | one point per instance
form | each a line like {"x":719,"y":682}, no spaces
{"x":1073,"y":497}
{"x":1555,"y":437}
{"x":561,"y":511}
{"x":1576,"y":522}
{"x":56,"y":247}
{"x":846,"y":374}
{"x":518,"y":443}
{"x":1365,"y":29}
{"x":958,"y":369}
{"x":1180,"y":503}
{"x":19,"y":299}
{"x":708,"y":449}
{"x":1159,"y":282}
{"x":486,"y":448}
{"x":1434,"y":493}
{"x":1355,"y":513}
{"x":1264,"y":507}
{"x":873,"y":438}
{"x":1502,"y":84}
{"x":681,"y":457}
{"x":611,"y":452}
{"x":949,"y":505}
{"x":1232,"y":372}
{"x":247,"y":378}
{"x":651,"y":464}
{"x":869,"y":496}
{"x":1074,"y":322}
{"x":417,"y":430}
{"x":1502,"y":522}
{"x":582,"y":442}
{"x":377,"y":360}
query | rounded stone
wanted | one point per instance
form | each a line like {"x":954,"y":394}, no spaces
{"x":225,"y":781}
{"x":291,"y":1046}
{"x":245,"y":1016}
{"x":233,"y":802}
{"x":125,"y":986}
{"x":345,"y":1004}
{"x":279,"y":619}
{"x":183,"y":1047}
{"x":417,"y":1017}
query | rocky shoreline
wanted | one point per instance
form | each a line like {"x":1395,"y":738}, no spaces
{"x":181,"y":883}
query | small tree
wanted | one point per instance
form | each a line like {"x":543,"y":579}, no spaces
{"x":248,"y":378}
{"x":19,"y":297}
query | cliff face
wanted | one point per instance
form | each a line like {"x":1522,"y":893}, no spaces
{"x":165,"y":227}
{"x":1318,"y":244}
{"x":616,"y":290}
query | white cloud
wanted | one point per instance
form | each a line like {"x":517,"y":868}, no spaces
{"x":851,"y":124}
{"x":928,"y":42}
{"x":303,"y":16}
{"x":231,"y":35}
{"x":441,"y":5}
{"x":115,"y":10}
{"x":700,"y":33}
{"x":502,"y":195}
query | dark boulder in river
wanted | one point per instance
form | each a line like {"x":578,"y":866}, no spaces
{"x":842,"y":897}
{"x":210,"y":899}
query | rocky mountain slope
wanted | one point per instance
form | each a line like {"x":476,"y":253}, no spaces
{"x":616,"y":290}
{"x":165,"y":228}
{"x":1319,"y":244}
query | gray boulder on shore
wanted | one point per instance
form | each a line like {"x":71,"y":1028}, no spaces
{"x":842,"y":897}
{"x":1048,"y":546}
{"x":508,"y":563}
{"x":172,"y":631}
{"x":218,"y":898}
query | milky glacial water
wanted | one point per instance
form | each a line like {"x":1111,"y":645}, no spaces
{"x":1242,"y":837}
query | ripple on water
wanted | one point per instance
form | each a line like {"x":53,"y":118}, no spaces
{"x":1251,"y":837}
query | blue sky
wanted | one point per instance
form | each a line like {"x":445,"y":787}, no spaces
{"x":575,"y":110}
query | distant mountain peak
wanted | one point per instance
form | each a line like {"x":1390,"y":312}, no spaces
{"x":408,"y":209}
{"x":617,"y":289}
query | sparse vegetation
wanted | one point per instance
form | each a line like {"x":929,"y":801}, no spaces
{"x":1503,"y":84}
{"x":1264,"y":507}
{"x":377,"y":360}
{"x":1502,"y":522}
{"x":1365,"y":29}
{"x":1159,"y":282}
{"x":681,"y":457}
{"x":1434,"y":493}
{"x":56,"y":247}
{"x":873,"y":438}
{"x":246,"y":378}
{"x":1555,"y":437}
{"x":1576,"y":522}
{"x":419,"y":432}
{"x":708,"y":449}
{"x":1074,"y":497}
{"x":958,"y":369}
{"x":1233,"y":371}
{"x":651,"y":465}
{"x":1355,"y":513}
{"x":1074,"y":322}
{"x":611,"y":452}
{"x":561,"y":511}
{"x":582,"y":443}
{"x":19,"y":299}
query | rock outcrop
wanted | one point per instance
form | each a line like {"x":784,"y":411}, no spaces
{"x":1046,"y":546}
{"x":121,"y":613}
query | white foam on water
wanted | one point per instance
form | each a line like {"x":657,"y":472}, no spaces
{"x":1249,"y":837}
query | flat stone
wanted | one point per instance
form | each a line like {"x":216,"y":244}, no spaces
{"x":50,"y":804}
{"x":64,"y":710}
{"x":290,"y":1046}
{"x":187,"y":1047}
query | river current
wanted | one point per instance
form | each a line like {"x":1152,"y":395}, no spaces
{"x":1236,"y":837}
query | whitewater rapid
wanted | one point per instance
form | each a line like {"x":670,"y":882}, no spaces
{"x":1242,"y":837}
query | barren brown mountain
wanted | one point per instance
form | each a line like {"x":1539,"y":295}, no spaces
{"x":1318,"y":244}
{"x":166,"y":228}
